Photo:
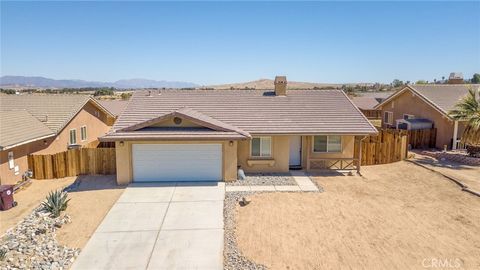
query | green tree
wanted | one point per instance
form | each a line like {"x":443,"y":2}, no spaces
{"x":125,"y":96}
{"x":476,"y":78}
{"x":422,"y":82}
{"x":397,"y":83}
{"x":469,"y":109}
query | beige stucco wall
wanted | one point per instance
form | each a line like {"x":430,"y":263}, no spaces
{"x":409,"y":103}
{"x":124,"y":158}
{"x":281,"y":153}
{"x":279,"y":158}
{"x":96,"y":127}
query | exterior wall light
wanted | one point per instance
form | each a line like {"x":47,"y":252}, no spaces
{"x":121,"y":143}
{"x":230,"y":143}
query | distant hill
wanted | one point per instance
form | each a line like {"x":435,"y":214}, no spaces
{"x":268,"y":84}
{"x":42,"y":82}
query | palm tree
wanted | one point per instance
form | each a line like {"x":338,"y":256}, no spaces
{"x":469,"y":109}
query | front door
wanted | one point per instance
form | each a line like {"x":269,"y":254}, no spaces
{"x":295,"y":151}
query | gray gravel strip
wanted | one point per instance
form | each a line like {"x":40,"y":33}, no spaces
{"x":233,"y":258}
{"x":265,"y":179}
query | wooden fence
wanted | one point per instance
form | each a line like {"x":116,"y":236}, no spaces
{"x":422,"y":138}
{"x":73,"y":162}
{"x":386,"y":147}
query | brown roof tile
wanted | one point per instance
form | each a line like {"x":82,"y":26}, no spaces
{"x":255,"y":111}
{"x":20,"y":126}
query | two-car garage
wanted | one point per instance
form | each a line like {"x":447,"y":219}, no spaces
{"x":176,"y":162}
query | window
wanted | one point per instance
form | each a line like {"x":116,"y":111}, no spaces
{"x":83,"y":133}
{"x":408,"y":116}
{"x":261,"y":147}
{"x":388,"y":118}
{"x":11,"y":161}
{"x":73,"y":136}
{"x":327,"y":144}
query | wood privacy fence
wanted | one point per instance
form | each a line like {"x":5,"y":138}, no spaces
{"x":388,"y":146}
{"x":73,"y":162}
{"x":422,"y":138}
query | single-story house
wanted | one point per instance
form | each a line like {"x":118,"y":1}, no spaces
{"x":190,"y":135}
{"x":428,"y":102}
{"x":367,"y":106}
{"x":46,"y":124}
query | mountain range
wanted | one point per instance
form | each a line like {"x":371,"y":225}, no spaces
{"x":42,"y":82}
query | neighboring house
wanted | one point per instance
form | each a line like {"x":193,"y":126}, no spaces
{"x":193,"y":135}
{"x":46,"y":124}
{"x":367,"y":106}
{"x":116,"y":107}
{"x":427,"y":102}
{"x":455,"y":78}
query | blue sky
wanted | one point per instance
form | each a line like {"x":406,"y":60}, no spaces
{"x":220,"y":42}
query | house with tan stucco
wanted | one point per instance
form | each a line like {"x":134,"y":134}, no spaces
{"x":198,"y":135}
{"x":46,"y":124}
{"x":427,"y":103}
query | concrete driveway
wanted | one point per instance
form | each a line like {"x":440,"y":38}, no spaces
{"x":160,"y":226}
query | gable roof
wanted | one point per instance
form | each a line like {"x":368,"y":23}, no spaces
{"x":193,"y":116}
{"x":56,"y":109}
{"x":442,"y":97}
{"x":254,"y":111}
{"x":53,"y":111}
{"x":13,"y":133}
{"x":116,"y":107}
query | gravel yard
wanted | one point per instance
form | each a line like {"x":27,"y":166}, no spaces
{"x":397,"y":216}
{"x":232,"y":258}
{"x":265,"y":179}
{"x":41,"y":242}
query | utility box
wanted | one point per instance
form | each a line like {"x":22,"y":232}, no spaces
{"x":6,"y":197}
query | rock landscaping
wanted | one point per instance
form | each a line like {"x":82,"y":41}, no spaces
{"x":265,"y":179}
{"x":457,"y":156}
{"x":233,"y":259}
{"x":32,"y":244}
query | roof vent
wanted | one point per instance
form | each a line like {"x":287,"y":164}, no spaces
{"x":280,"y":85}
{"x":44,"y":119}
{"x":177,"y":120}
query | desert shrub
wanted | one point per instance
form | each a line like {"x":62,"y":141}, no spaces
{"x":3,"y":254}
{"x":55,"y":202}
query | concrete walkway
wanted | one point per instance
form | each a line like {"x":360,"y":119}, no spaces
{"x":304,"y":183}
{"x":467,"y":175}
{"x":160,"y":226}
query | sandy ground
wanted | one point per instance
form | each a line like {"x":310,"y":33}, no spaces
{"x":28,"y":199}
{"x":468,"y":175}
{"x":89,"y":204}
{"x":398,"y":216}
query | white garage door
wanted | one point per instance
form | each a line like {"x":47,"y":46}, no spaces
{"x":177,"y":162}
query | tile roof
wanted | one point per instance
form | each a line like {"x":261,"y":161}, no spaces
{"x":254,"y":111}
{"x":116,"y":107}
{"x":12,"y":132}
{"x":52,"y":111}
{"x":57,"y":110}
{"x":443,"y":97}
{"x":365,"y":103}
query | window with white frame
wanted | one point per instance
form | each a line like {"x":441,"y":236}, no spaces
{"x":261,"y":147}
{"x":327,"y":144}
{"x":388,"y":117}
{"x":73,"y":136}
{"x":83,"y":133}
{"x":408,"y":116}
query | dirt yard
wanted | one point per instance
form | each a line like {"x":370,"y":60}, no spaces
{"x":28,"y":199}
{"x":90,"y":202}
{"x":397,"y":216}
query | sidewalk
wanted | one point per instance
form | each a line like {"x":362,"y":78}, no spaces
{"x":304,"y":183}
{"x":467,"y":175}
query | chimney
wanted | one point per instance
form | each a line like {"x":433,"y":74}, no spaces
{"x":280,"y":85}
